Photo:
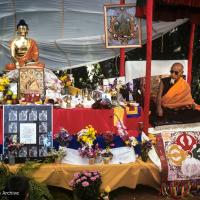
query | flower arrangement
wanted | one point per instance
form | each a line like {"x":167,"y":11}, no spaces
{"x":108,"y":139}
{"x":146,"y":146}
{"x":63,"y":137}
{"x":87,"y":136}
{"x":66,"y":79}
{"x":105,"y":195}
{"x":106,"y":156}
{"x":86,"y":185}
{"x":14,"y":147}
{"x":121,"y":129}
{"x":4,"y":82}
{"x":57,"y":154}
{"x":89,"y":152}
{"x":131,"y":141}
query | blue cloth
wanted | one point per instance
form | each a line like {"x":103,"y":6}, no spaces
{"x":138,"y":146}
{"x":56,"y":145}
{"x":118,"y":142}
{"x":74,"y":144}
{"x":100,"y":141}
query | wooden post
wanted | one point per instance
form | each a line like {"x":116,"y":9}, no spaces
{"x":190,"y":54}
{"x":122,"y":54}
{"x":149,"y":11}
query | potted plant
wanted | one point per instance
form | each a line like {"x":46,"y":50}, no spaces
{"x":13,"y":149}
{"x":108,"y":139}
{"x":87,"y":136}
{"x":106,"y":156}
{"x":57,"y":155}
{"x":63,"y":137}
{"x":86,"y":185}
{"x":90,"y":152}
{"x":146,"y":146}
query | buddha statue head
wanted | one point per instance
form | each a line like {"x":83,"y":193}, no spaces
{"x":22,"y":28}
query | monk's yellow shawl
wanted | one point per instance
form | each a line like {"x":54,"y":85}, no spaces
{"x":179,"y":96}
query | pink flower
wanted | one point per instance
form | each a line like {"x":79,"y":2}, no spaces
{"x":78,"y":180}
{"x":85,"y":184}
{"x":76,"y":175}
{"x":97,"y":176}
{"x":83,"y":178}
{"x":71,"y":183}
{"x":88,"y":174}
{"x":93,"y":178}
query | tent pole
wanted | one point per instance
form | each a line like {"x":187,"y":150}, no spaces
{"x":149,"y":16}
{"x":122,"y":54}
{"x":190,"y":53}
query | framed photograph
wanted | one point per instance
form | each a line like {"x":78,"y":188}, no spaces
{"x":122,"y":28}
{"x":30,"y":125}
{"x":31,"y":81}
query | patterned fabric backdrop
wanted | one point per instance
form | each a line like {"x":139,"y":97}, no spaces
{"x":180,"y":158}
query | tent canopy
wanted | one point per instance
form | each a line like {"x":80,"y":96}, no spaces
{"x":69,"y":33}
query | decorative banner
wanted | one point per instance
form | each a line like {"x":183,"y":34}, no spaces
{"x":133,"y":111}
{"x":30,"y":125}
{"x":179,"y":151}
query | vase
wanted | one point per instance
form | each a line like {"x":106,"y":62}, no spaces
{"x":144,"y":156}
{"x":58,"y":160}
{"x":11,"y":158}
{"x":106,"y":160}
{"x":91,"y":161}
{"x":64,"y":90}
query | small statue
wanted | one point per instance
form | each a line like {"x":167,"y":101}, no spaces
{"x":24,"y":50}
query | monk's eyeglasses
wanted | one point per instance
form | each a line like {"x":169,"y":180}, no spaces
{"x":173,"y":71}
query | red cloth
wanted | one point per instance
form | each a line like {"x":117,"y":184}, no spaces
{"x":76,"y":119}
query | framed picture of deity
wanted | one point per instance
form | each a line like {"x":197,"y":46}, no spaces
{"x":31,"y":81}
{"x":122,"y":28}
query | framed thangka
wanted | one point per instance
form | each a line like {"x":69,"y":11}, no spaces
{"x":31,"y":81}
{"x":122,"y":28}
{"x":30,"y":127}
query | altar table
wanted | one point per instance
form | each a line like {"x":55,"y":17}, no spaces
{"x":113,"y":175}
{"x":76,"y":119}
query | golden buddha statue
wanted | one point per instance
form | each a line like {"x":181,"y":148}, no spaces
{"x":24,"y":50}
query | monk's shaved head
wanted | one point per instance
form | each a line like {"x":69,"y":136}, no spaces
{"x":178,"y":66}
{"x":176,"y":71}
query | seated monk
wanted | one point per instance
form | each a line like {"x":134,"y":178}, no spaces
{"x":174,"y":100}
{"x":24,"y":51}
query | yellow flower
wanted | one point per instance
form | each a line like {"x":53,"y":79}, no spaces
{"x":2,"y":88}
{"x":6,"y":80}
{"x":107,"y":189}
{"x":127,"y":142}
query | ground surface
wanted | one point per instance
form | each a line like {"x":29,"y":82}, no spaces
{"x":140,"y":193}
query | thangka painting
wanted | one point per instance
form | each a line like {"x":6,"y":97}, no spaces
{"x":31,"y":81}
{"x":122,"y":28}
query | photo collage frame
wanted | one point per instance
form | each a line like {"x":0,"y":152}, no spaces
{"x":28,"y":125}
